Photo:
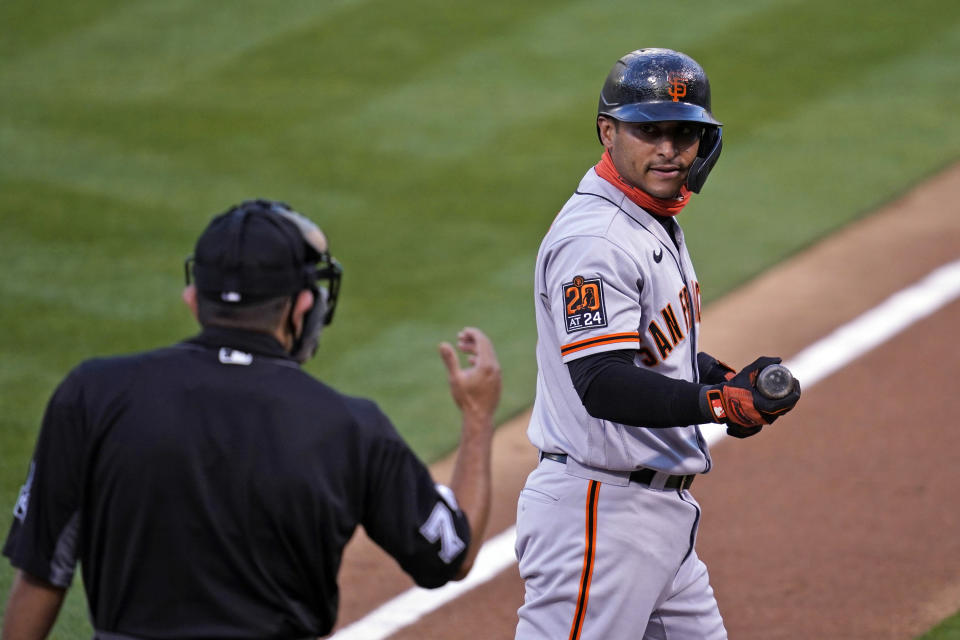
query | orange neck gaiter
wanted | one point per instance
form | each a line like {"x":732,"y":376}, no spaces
{"x":656,"y":206}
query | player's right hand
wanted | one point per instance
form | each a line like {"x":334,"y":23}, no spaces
{"x":738,"y":403}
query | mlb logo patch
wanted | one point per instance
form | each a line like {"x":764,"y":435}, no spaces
{"x":584,"y":304}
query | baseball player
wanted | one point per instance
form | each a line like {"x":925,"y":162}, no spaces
{"x":208,"y":488}
{"x":606,"y":524}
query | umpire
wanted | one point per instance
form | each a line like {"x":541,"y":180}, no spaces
{"x":208,"y":488}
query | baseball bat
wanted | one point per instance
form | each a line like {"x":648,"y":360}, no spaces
{"x":775,"y":381}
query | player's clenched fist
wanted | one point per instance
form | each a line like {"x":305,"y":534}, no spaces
{"x":738,"y":404}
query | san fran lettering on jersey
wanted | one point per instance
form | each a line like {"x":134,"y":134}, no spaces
{"x":666,"y":332}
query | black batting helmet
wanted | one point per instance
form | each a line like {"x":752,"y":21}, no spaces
{"x":656,"y":85}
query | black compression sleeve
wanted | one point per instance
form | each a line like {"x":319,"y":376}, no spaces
{"x":612,"y":388}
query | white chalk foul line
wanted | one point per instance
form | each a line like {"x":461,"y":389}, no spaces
{"x":495,"y":556}
{"x":811,"y":365}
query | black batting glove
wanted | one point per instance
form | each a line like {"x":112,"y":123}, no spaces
{"x":737,"y":431}
{"x":712,"y":371}
{"x":737,"y":402}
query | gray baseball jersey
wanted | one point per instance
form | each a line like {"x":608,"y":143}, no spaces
{"x":602,"y":556}
{"x":609,"y":277}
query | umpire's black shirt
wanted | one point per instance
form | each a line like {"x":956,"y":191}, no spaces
{"x":208,"y":490}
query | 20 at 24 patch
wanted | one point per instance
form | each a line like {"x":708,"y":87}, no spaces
{"x":583,"y":300}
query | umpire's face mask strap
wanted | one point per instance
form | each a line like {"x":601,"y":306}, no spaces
{"x":305,"y":346}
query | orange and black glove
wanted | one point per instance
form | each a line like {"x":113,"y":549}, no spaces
{"x":739,"y":405}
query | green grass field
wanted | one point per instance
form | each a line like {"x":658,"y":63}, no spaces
{"x":948,"y":630}
{"x":434,"y":142}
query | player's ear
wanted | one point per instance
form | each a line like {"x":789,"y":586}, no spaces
{"x":605,"y":129}
{"x":189,"y":297}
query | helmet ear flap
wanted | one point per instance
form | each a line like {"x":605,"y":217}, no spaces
{"x":710,"y":146}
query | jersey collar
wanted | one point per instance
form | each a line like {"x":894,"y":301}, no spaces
{"x":657,"y":206}
{"x":254,"y":342}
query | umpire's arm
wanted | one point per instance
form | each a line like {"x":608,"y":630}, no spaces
{"x":32,"y":608}
{"x":476,"y":390}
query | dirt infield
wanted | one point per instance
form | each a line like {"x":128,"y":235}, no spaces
{"x":840,"y":521}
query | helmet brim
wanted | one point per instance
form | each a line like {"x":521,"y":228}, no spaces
{"x":660,"y":112}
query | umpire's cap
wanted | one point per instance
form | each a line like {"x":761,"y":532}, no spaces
{"x":262,"y":249}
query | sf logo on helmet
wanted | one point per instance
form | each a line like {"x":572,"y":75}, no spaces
{"x":678,"y":86}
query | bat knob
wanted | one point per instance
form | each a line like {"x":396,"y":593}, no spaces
{"x":775,"y":382}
